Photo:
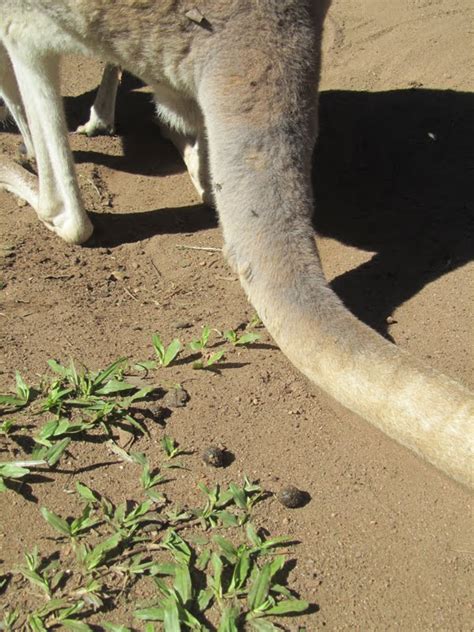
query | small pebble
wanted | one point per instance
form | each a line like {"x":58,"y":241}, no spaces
{"x":214,"y":456}
{"x":292,"y":497}
{"x":183,"y":325}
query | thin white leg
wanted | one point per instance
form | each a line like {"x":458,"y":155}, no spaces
{"x":11,"y":96}
{"x":60,"y":206}
{"x":102,"y":113}
{"x":193,"y":150}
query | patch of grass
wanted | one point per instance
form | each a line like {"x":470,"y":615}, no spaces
{"x":199,"y":563}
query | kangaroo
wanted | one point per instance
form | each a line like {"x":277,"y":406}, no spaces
{"x":236,"y":83}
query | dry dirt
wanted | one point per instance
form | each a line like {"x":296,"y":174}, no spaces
{"x":386,"y":541}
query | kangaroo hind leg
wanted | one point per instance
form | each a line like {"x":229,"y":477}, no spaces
{"x":102,"y":112}
{"x":13,"y":104}
{"x":59,"y":205}
{"x":181,"y":122}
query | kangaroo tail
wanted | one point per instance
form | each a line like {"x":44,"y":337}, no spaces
{"x":260,"y":124}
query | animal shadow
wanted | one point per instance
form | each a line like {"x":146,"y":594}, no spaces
{"x":393,"y":175}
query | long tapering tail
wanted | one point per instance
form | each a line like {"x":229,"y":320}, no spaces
{"x":260,"y":157}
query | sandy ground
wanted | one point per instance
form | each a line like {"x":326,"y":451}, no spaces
{"x":386,"y":541}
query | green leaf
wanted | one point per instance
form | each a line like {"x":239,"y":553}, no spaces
{"x":87,"y":493}
{"x":140,"y":394}
{"x":6,"y":426}
{"x":203,"y":559}
{"x":260,"y":625}
{"x":277,"y":564}
{"x":229,"y":619}
{"x":11,"y":400}
{"x":218,"y":568}
{"x":253,"y":536}
{"x":204,"y":599}
{"x":11,"y":470}
{"x":114,"y":386}
{"x":76,"y":626}
{"x":274,"y":542}
{"x":288,"y":606}
{"x":168,"y":445}
{"x":112,"y":369}
{"x":155,"y":613}
{"x":247,"y":339}
{"x":51,"y":606}
{"x":94,"y":558}
{"x":57,"y":368}
{"x":171,"y":615}
{"x":145,"y":365}
{"x":182,"y":583}
{"x":239,"y":496}
{"x":158,"y":346}
{"x":35,"y":623}
{"x":260,"y":587}
{"x":171,"y":352}
{"x":115,"y":627}
{"x":35,"y":578}
{"x":228,"y":548}
{"x":178,"y":547}
{"x":56,"y":521}
{"x":21,"y":388}
{"x":195,"y":345}
{"x":215,"y":357}
{"x":54,"y":453}
{"x":227,"y":519}
{"x":231,"y":336}
{"x":240,"y":572}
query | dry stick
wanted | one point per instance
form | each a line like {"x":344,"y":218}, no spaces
{"x":156,"y":268}
{"x":205,"y":248}
{"x":130,"y":294}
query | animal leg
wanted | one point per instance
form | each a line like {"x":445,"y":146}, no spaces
{"x":11,"y":96}
{"x":59,"y":204}
{"x":193,"y":150}
{"x":182,"y":123}
{"x":102,"y":112}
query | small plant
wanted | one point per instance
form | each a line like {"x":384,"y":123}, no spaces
{"x":209,"y":359}
{"x":6,"y":427}
{"x":255,"y":321}
{"x":44,"y":576}
{"x":73,"y":529}
{"x":170,"y":447}
{"x":216,"y":509}
{"x":12,"y":472}
{"x":22,"y":397}
{"x":149,"y":478}
{"x":104,"y":548}
{"x":9,"y":620}
{"x":9,"y":472}
{"x":245,"y":339}
{"x":165,"y":355}
{"x":201,"y":343}
{"x":79,"y":388}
